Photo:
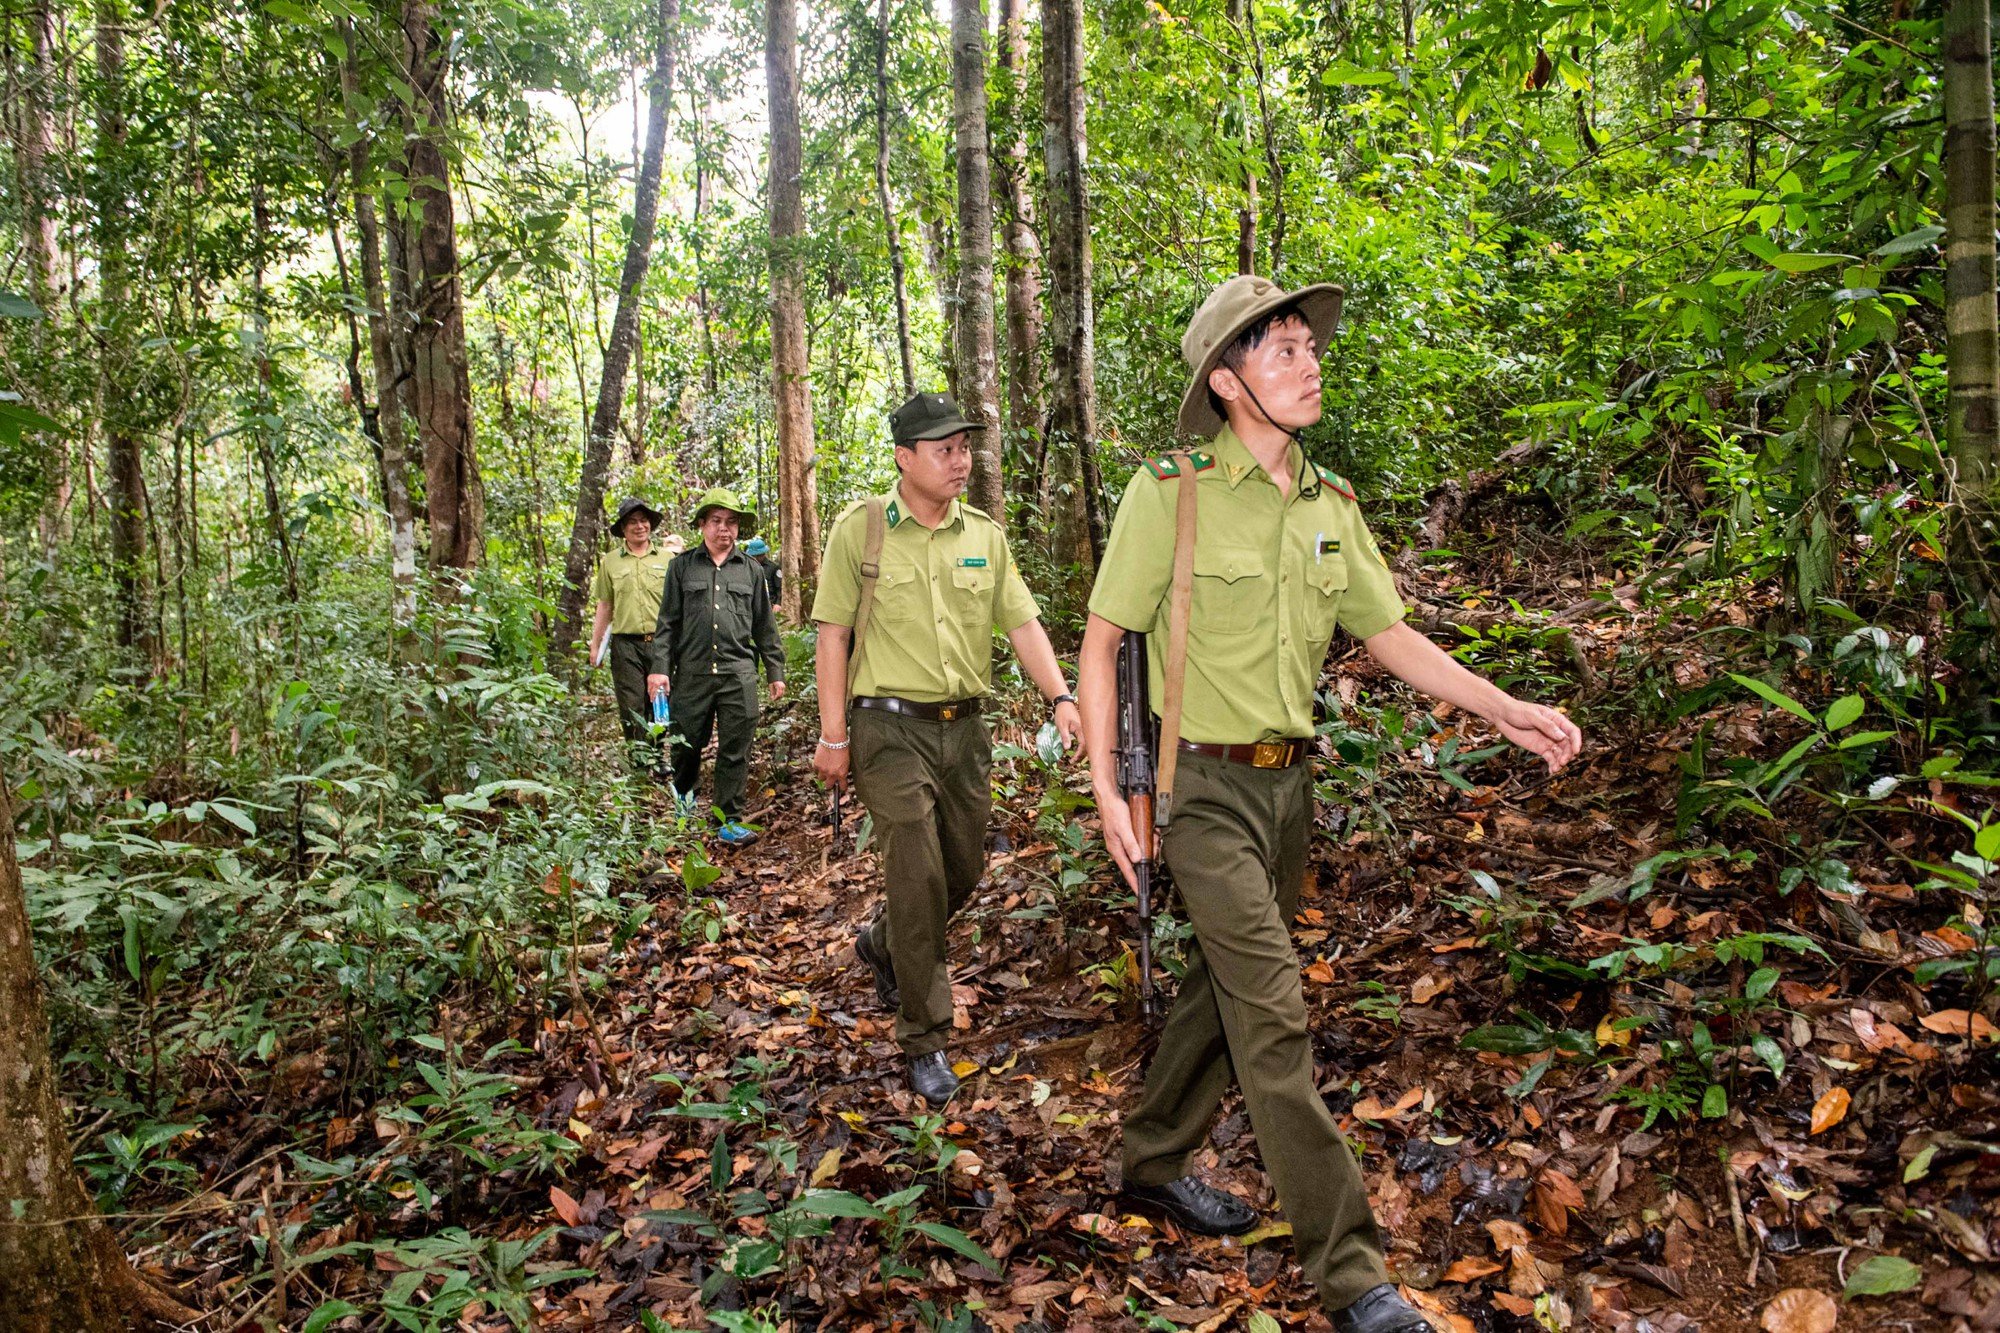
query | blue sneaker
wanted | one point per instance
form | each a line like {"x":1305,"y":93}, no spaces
{"x":734,"y":834}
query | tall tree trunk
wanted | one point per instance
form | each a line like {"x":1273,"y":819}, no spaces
{"x":440,"y":374}
{"x":791,"y":371}
{"x":1072,"y":321}
{"x":386,"y":351}
{"x":1246,"y":211}
{"x":624,"y":338}
{"x":890,"y":228}
{"x":1972,"y":319}
{"x":124,"y":460}
{"x":978,"y":363}
{"x":64,"y":1270}
{"x":36,"y":145}
{"x":1024,"y":252}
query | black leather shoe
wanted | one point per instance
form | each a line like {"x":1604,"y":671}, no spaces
{"x":1196,"y":1206}
{"x":1380,"y":1310}
{"x":885,"y":974}
{"x":931,"y":1078}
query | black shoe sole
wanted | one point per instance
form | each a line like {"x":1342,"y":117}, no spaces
{"x":885,"y":983}
{"x":1181,"y":1215}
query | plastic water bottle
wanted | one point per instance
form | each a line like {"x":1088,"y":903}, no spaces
{"x":660,"y":709}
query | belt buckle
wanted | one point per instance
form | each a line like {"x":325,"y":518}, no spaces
{"x":948,"y":712}
{"x":1271,"y":754}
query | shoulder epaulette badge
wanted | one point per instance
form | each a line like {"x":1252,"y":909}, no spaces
{"x":1335,"y":480}
{"x":1163,"y":466}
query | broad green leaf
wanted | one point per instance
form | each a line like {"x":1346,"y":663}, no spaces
{"x":322,"y":1318}
{"x":1884,"y":1275}
{"x":1920,"y":1165}
{"x":1910,"y":241}
{"x":836,"y":1203}
{"x":235,"y":816}
{"x":1986,"y":842}
{"x":1807,"y":263}
{"x":1769,"y":1052}
{"x":1349,"y":76}
{"x":1263,"y":1323}
{"x":1715,"y":1102}
{"x":1844,"y":711}
{"x":1771,"y":694}
{"x":958,"y":1240}
{"x":13,"y":305}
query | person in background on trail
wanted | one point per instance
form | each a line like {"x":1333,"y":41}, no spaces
{"x":627,"y":591}
{"x":759,"y":551}
{"x":1280,"y":558}
{"x":936,"y":580}
{"x":714,"y":624}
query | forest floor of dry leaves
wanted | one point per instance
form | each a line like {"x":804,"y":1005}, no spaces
{"x":713,"y":1082}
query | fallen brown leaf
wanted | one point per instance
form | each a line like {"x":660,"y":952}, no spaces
{"x":1960,"y":1023}
{"x":1830,"y":1109}
{"x":1800,"y":1310}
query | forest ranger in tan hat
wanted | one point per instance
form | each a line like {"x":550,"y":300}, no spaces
{"x":1276,"y":557}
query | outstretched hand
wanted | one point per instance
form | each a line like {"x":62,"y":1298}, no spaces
{"x":1069,"y":724}
{"x":1542,"y":730}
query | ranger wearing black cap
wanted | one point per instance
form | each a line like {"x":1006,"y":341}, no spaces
{"x":627,"y":592}
{"x":934,"y":578}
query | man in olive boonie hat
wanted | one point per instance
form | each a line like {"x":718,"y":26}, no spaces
{"x":715,"y":624}
{"x":1280,"y":558}
{"x":626,"y":589}
{"x":914,"y":586}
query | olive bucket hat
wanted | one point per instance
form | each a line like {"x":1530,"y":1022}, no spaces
{"x":721,"y":497}
{"x":634,"y":505}
{"x":928,"y":416}
{"x":1232,"y":308}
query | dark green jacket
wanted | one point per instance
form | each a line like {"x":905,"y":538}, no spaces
{"x":716,"y":619}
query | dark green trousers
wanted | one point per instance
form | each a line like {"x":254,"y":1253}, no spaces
{"x":725,"y":705}
{"x":927,"y":786}
{"x":630,"y":660}
{"x":1237,"y":848}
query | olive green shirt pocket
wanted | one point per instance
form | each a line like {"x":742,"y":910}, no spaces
{"x":1232,"y":593}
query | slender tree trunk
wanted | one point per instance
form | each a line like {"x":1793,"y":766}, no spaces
{"x":386,"y":351}
{"x":1246,"y":211}
{"x":39,"y":234}
{"x":1274,"y":166}
{"x":124,"y":460}
{"x":624,"y":338}
{"x":274,"y":507}
{"x":791,"y":371}
{"x":1072,"y":322}
{"x":440,"y":376}
{"x":1024,"y":255}
{"x":890,"y":228}
{"x":978,"y":363}
{"x":1972,"y":319}
{"x":63,"y":1269}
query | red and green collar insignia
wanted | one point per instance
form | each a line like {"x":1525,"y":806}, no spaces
{"x":1335,"y":480}
{"x":1164,"y":466}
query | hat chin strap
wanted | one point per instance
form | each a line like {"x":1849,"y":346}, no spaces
{"x":1306,"y":492}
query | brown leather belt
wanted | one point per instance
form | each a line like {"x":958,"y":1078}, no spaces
{"x":1262,"y":754}
{"x":949,"y":711}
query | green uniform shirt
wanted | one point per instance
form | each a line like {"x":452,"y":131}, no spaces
{"x":631,"y":583}
{"x":941,"y":595}
{"x":1273,"y":576}
{"x":716,"y":620}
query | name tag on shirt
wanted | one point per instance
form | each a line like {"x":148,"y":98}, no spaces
{"x":1329,"y":546}
{"x":972,"y":562}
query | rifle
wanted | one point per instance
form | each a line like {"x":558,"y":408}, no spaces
{"x":1135,"y":783}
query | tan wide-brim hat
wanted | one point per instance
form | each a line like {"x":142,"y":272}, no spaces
{"x":1232,"y":308}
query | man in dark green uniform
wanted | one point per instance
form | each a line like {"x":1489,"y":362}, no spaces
{"x":627,"y":592}
{"x":1281,"y":557}
{"x":715,"y":624}
{"x":759,"y":551}
{"x":928,"y":601}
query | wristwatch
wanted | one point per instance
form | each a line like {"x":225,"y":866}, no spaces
{"x":1062,"y":699}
